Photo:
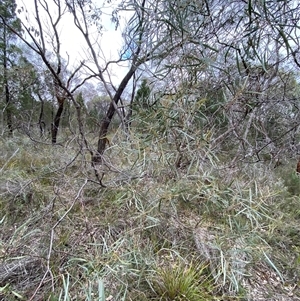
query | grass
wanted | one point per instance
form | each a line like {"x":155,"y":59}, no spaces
{"x":183,"y":282}
{"x":157,"y":231}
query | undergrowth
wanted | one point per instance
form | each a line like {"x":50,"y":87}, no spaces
{"x":169,"y":225}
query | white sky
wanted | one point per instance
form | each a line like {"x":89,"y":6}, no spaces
{"x":73,"y":44}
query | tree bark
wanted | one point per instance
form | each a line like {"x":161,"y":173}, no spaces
{"x":41,"y":121}
{"x":7,"y":93}
{"x":8,"y":110}
{"x":102,"y":140}
{"x":56,"y":122}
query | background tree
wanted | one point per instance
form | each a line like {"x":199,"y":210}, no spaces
{"x":8,"y":49}
{"x":192,"y":182}
{"x":195,"y":43}
{"x":226,"y":45}
{"x":142,"y":43}
{"x":142,"y":98}
{"x":24,"y":82}
{"x":44,"y":40}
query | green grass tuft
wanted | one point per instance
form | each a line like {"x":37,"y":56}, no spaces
{"x":183,"y":282}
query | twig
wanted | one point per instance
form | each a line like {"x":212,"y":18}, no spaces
{"x":9,"y":160}
{"x":52,"y":238}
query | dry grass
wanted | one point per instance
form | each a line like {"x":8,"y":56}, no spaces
{"x":63,"y":237}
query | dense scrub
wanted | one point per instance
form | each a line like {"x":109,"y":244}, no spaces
{"x":158,"y":230}
{"x":160,"y":167}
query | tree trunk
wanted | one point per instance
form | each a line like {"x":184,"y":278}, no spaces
{"x":8,"y":110}
{"x":128,"y":117}
{"x":56,"y":121}
{"x":102,"y":140}
{"x":41,"y":121}
{"x":7,"y":94}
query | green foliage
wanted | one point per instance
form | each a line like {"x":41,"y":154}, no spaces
{"x":80,"y":100}
{"x":8,"y":15}
{"x":142,"y":97}
{"x":96,"y":110}
{"x":292,"y":182}
{"x":183,"y":212}
{"x":183,"y":282}
{"x":18,"y":75}
{"x":137,"y":239}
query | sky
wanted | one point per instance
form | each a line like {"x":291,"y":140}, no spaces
{"x":72,"y":42}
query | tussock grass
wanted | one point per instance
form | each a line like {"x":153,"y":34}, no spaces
{"x":172,"y":223}
{"x":180,"y":281}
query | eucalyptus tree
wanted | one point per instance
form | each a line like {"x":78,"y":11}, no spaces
{"x":23,"y":85}
{"x":43,"y":36}
{"x":8,"y":50}
{"x":247,"y":51}
{"x":229,"y":53}
{"x":144,"y":41}
{"x":259,"y":44}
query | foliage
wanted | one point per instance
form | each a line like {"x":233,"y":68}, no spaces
{"x":153,"y":225}
{"x":181,"y":282}
{"x":8,"y":14}
{"x":9,"y":52}
{"x":195,"y":197}
{"x":96,"y":108}
{"x":142,"y":95}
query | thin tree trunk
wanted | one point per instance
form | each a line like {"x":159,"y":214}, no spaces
{"x":130,"y":110}
{"x":8,"y":110}
{"x":41,"y":121}
{"x":56,"y":122}
{"x":102,"y":140}
{"x":128,"y":117}
{"x":7,"y":93}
